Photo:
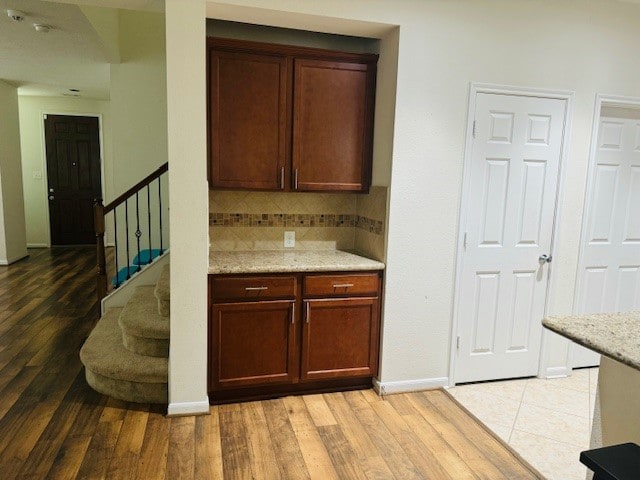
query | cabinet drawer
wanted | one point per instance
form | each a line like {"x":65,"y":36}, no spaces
{"x":339,"y":285}
{"x":252,"y":288}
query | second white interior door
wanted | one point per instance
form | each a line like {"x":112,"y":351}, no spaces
{"x":609,"y":276}
{"x":510,"y":207}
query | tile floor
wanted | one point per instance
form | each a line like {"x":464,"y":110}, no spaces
{"x":547,"y":421}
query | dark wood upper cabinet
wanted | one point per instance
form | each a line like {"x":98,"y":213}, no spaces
{"x":248,"y":120}
{"x":289,"y":118}
{"x":332,"y":125}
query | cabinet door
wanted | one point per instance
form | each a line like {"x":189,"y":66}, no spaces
{"x":332,"y":125}
{"x":248,"y":138}
{"x":340,"y":338}
{"x":252,"y":343}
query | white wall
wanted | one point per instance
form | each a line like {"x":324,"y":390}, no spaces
{"x":32,"y":110}
{"x":13,"y":244}
{"x":185,"y":30}
{"x":139,"y":98}
{"x":587,"y":47}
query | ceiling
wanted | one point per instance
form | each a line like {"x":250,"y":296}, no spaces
{"x":70,"y":56}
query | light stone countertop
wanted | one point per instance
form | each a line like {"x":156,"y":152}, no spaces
{"x":282,"y":261}
{"x":616,"y":335}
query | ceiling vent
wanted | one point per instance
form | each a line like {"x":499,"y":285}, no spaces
{"x":16,"y":15}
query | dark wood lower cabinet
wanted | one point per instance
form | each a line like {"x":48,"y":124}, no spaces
{"x":255,"y":343}
{"x":324,"y":339}
{"x":339,"y":338}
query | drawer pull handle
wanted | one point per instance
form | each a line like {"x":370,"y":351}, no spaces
{"x":343,"y":285}
{"x":255,"y":289}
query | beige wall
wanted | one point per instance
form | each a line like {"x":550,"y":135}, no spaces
{"x":442,"y":46}
{"x":13,"y":245}
{"x":32,"y":111}
{"x":139,"y":99}
{"x":187,"y":149}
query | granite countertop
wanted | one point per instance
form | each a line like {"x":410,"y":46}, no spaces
{"x":616,"y":335}
{"x":281,"y":261}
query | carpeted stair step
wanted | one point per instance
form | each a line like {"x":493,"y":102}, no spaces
{"x":162,"y":292}
{"x":144,"y":330}
{"x":113,"y":370}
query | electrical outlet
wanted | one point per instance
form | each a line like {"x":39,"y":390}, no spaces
{"x":289,"y":239}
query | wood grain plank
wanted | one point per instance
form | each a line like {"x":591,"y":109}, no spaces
{"x":342,"y":455}
{"x":500,"y":456}
{"x":319,"y":410}
{"x":67,"y":461}
{"x":395,"y":456}
{"x":152,"y":462}
{"x":314,"y":452}
{"x":448,"y":457}
{"x":424,"y":460}
{"x":181,"y":459}
{"x":235,"y":451}
{"x":124,"y":461}
{"x":261,"y":454}
{"x":284,"y":440}
{"x":208,"y":446}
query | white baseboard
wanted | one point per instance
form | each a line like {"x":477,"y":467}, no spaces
{"x":37,"y":245}
{"x":556,"y":372}
{"x":188,"y":408}
{"x":387,"y":388}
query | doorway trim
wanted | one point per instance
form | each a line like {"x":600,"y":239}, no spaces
{"x":474,"y":89}
{"x":43,"y":140}
{"x":601,"y":101}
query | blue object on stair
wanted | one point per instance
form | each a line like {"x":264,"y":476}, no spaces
{"x":146,"y":256}
{"x":122,"y":275}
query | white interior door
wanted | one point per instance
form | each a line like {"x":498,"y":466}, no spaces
{"x":609,"y":276}
{"x":510,"y":207}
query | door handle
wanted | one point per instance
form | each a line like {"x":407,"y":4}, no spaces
{"x":544,"y":259}
{"x":51,"y":197}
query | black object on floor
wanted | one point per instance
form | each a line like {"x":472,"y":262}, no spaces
{"x":617,"y":462}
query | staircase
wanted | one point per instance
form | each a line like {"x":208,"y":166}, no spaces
{"x":126,"y":354}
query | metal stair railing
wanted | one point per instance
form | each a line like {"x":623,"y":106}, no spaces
{"x":154,"y":229}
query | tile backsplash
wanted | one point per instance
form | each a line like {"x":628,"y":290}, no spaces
{"x":241,"y":220}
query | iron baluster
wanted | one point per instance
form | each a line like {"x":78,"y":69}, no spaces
{"x":138,"y":233}
{"x":160,"y":212}
{"x":126,"y":225}
{"x":115,"y":234}
{"x":149,"y":224}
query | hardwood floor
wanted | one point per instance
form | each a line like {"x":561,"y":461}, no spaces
{"x":53,"y":426}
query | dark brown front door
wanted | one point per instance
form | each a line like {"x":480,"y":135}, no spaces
{"x":73,"y":174}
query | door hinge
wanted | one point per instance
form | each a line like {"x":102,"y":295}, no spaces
{"x":474,"y":129}
{"x":46,"y":116}
{"x":458,"y":342}
{"x":464,"y":242}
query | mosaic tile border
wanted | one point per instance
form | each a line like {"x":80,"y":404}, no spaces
{"x":294,"y":220}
